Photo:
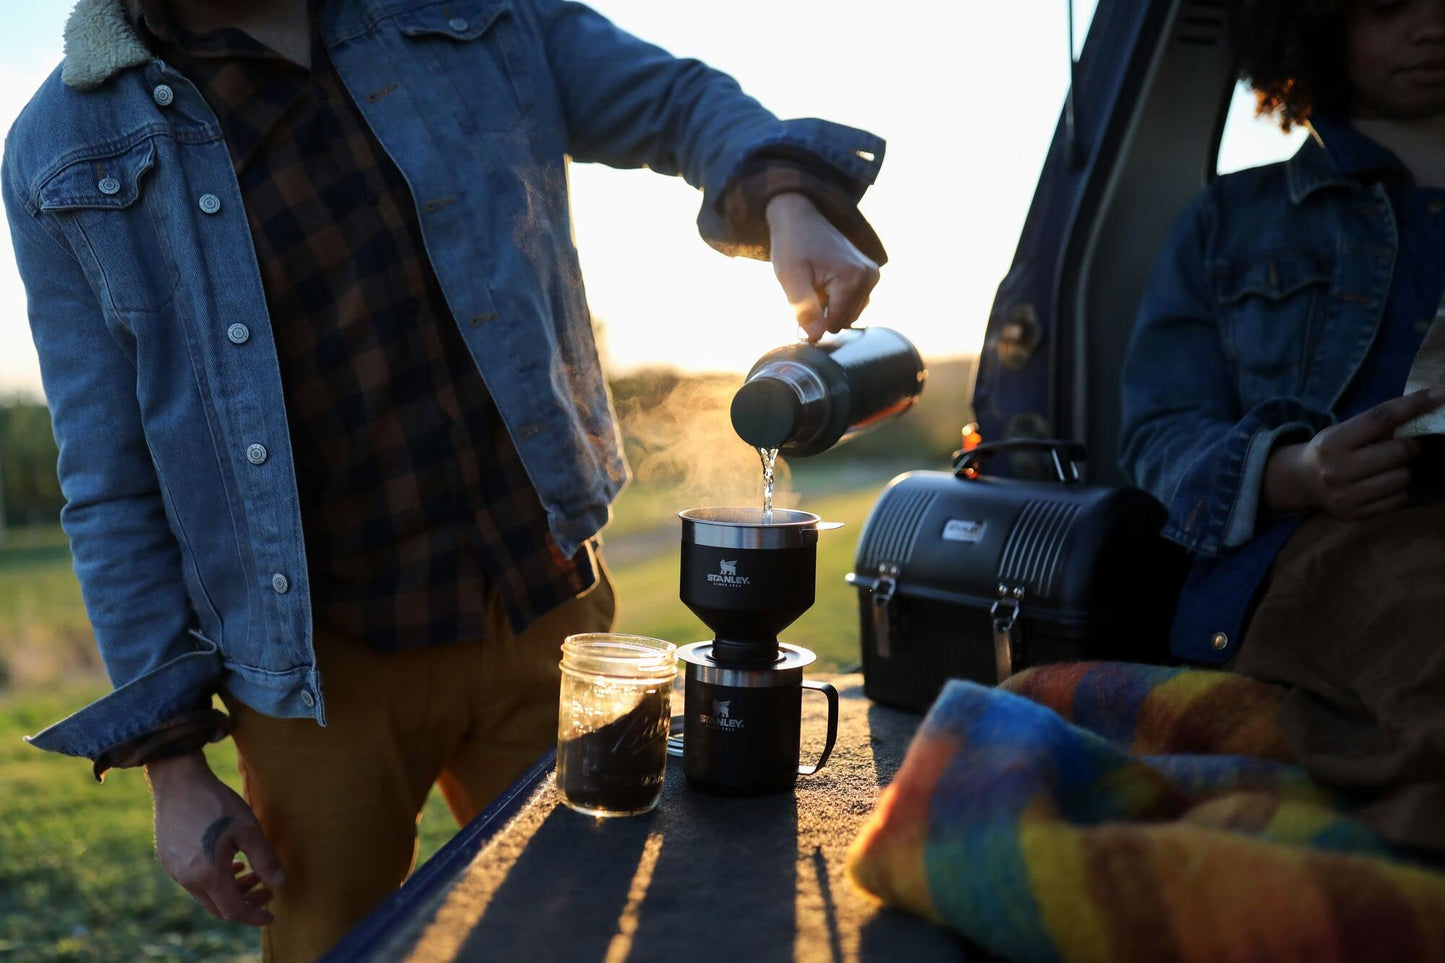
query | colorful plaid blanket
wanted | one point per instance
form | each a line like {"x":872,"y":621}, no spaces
{"x":1113,"y":812}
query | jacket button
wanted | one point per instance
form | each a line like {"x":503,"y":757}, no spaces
{"x":1220,"y":641}
{"x":210,"y":203}
{"x":108,"y":185}
{"x":256,"y":454}
{"x":238,"y":333}
{"x":457,"y":24}
{"x":307,"y":699}
{"x":163,"y":94}
{"x":280,"y":583}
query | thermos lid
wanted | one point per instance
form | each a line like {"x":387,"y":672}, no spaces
{"x":765,"y":412}
{"x":803,"y":399}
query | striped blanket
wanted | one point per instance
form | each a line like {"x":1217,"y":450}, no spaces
{"x":1113,"y":812}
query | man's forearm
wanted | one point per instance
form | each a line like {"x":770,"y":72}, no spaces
{"x":168,"y":773}
{"x":788,"y":204}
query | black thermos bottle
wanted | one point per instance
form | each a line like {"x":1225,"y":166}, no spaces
{"x":803,"y":399}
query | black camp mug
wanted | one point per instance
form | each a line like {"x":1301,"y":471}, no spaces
{"x":742,"y":728}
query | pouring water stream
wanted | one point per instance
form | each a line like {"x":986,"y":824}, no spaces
{"x":770,"y":459}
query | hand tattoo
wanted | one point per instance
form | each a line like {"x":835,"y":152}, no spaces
{"x":213,"y":836}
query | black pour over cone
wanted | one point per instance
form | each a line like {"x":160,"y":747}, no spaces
{"x":747,"y":579}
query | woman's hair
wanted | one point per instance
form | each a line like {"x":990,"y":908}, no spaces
{"x":1292,"y":52}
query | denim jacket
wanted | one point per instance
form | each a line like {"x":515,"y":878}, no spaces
{"x":131,"y":237}
{"x":1262,"y":306}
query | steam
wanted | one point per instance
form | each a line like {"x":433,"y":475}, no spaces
{"x":686,"y":443}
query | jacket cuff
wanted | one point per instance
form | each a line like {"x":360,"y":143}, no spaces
{"x":844,"y":159}
{"x":142,"y":705}
{"x":186,"y":732}
{"x":763,"y":177}
{"x":1244,"y":519}
{"x":1217,"y":502}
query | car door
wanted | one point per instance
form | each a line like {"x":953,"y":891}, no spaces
{"x":1137,"y":139}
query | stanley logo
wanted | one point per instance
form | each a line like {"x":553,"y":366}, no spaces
{"x":728,"y":574}
{"x":722,"y":716}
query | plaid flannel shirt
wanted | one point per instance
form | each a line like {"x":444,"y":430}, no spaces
{"x":413,"y":497}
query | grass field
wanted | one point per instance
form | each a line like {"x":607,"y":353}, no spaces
{"x":78,"y":875}
{"x":44,"y":635}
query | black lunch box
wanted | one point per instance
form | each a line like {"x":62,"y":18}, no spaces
{"x":960,"y":575}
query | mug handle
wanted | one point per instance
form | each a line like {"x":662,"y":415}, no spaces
{"x":832,"y":695}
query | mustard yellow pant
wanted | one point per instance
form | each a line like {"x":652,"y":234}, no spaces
{"x":341,"y":803}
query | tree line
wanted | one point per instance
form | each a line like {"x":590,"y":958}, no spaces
{"x":29,"y":489}
{"x":30,"y":492}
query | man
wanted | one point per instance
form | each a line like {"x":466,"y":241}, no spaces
{"x":334,"y":438}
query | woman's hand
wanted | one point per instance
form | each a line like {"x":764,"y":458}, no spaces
{"x":1352,"y":470}
{"x":827,"y":279}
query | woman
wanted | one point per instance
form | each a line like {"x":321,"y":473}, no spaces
{"x":1265,"y":404}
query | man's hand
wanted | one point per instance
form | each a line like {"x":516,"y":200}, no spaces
{"x":1352,"y":470}
{"x":827,"y":279}
{"x":201,"y":824}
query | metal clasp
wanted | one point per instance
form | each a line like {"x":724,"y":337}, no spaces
{"x":1007,"y":637}
{"x":883,"y":591}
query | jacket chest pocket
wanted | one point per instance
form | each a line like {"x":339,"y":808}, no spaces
{"x":473,"y":49}
{"x":1270,"y":310}
{"x":100,"y":205}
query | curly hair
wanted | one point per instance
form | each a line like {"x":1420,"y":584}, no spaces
{"x":1292,"y":52}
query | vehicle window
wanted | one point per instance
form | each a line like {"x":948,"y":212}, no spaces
{"x":1250,"y":141}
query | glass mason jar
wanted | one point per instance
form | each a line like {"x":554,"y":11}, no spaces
{"x":613,"y":721}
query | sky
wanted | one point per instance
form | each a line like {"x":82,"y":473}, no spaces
{"x":966,"y":94}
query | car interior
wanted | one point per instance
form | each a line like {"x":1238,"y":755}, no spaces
{"x":1153,"y":89}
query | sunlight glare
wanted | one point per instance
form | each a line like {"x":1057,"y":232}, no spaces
{"x":621,"y":946}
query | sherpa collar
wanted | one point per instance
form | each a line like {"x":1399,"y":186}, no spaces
{"x":99,"y":43}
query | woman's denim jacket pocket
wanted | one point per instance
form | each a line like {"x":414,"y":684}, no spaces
{"x":1270,"y":306}
{"x":1256,"y":317}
